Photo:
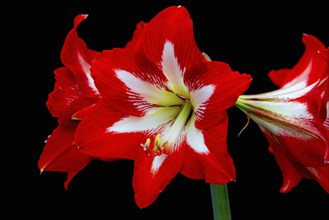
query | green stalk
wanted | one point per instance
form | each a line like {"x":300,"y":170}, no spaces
{"x":220,"y":202}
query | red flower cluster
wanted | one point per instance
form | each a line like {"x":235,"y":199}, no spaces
{"x":162,"y":103}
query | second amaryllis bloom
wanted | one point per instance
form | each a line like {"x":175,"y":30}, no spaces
{"x":295,"y":117}
{"x":74,"y":95}
{"x":164,"y":106}
{"x":74,"y":92}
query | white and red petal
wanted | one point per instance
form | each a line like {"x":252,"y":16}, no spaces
{"x":126,"y":74}
{"x":213,"y":91}
{"x":153,"y":174}
{"x":93,"y":136}
{"x":77,"y":57}
{"x":173,"y":72}
{"x":163,"y":28}
{"x":146,"y":91}
{"x":213,"y":155}
{"x":200,"y":98}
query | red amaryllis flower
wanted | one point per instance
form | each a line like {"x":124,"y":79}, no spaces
{"x":295,"y":117}
{"x":74,"y":91}
{"x":164,"y":106}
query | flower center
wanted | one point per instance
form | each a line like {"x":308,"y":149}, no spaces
{"x":165,"y":143}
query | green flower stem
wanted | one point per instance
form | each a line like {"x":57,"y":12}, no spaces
{"x":220,"y":202}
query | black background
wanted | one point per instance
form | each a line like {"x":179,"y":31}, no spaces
{"x":252,"y":37}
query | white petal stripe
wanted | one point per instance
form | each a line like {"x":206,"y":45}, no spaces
{"x":199,"y":97}
{"x":157,"y":162}
{"x":195,"y":138}
{"x":293,"y":110}
{"x":172,"y":70}
{"x":152,"y":120}
{"x":85,"y":66}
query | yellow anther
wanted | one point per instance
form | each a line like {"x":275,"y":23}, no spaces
{"x":159,"y":146}
{"x":157,"y":141}
{"x":148,"y":142}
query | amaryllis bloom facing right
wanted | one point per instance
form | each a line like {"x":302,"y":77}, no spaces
{"x":295,"y":118}
{"x":164,"y":106}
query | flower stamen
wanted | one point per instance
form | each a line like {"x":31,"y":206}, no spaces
{"x":159,"y":146}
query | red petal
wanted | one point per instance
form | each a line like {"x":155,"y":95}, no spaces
{"x":76,"y":56}
{"x":69,"y":178}
{"x":291,"y":177}
{"x":93,"y":138}
{"x":298,"y":160}
{"x":137,"y":36}
{"x":67,"y":98}
{"x":278,"y":76}
{"x":59,"y":153}
{"x":148,"y":185}
{"x":79,"y":115}
{"x":324,"y":53}
{"x":65,"y":91}
{"x":309,"y":152}
{"x":321,"y":174}
{"x":312,"y":45}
